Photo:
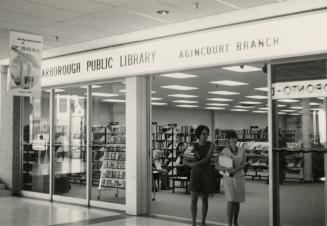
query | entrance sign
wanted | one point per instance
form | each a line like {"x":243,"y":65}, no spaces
{"x":299,"y":89}
{"x":249,"y":42}
{"x":25,"y":64}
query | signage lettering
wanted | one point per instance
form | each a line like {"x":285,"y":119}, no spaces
{"x":260,"y":43}
{"x":203,"y":51}
{"x":137,"y":58}
{"x":99,"y":64}
{"x":60,"y":70}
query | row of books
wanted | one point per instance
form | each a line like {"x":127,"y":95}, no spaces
{"x":113,"y":164}
{"x":113,"y":174}
{"x":113,"y":183}
{"x":114,"y":156}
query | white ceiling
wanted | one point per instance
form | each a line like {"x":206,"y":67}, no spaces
{"x":75,"y":21}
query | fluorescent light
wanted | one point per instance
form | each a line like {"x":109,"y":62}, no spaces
{"x":187,"y":106}
{"x":250,"y":102}
{"x":239,"y":109}
{"x":296,"y":107}
{"x":257,"y":97}
{"x":186,"y":101}
{"x":153,"y":92}
{"x":242,"y":69}
{"x":316,"y":109}
{"x":265,"y":89}
{"x":56,"y":90}
{"x":114,"y":100}
{"x":320,"y":98}
{"x":104,"y":94}
{"x":217,"y":104}
{"x":259,"y":111}
{"x":156,"y":98}
{"x":222,"y":92}
{"x":288,"y":101}
{"x":122,"y":90}
{"x":158,"y":103}
{"x":265,"y":109}
{"x":241,"y":106}
{"x":288,"y":110}
{"x":315,"y":104}
{"x":295,"y":114}
{"x":220,"y":99}
{"x":183,"y":95}
{"x":178,"y":87}
{"x":214,"y":108}
{"x":123,"y":82}
{"x":281,"y":105}
{"x":93,"y":87}
{"x":178,"y":75}
{"x":229,"y":83}
{"x":282,"y":113}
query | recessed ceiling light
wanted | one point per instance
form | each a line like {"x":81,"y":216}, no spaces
{"x":114,"y":100}
{"x":242,"y":68}
{"x":281,"y":105}
{"x":288,"y":101}
{"x":214,"y":108}
{"x":56,"y":90}
{"x":217,"y":104}
{"x":122,"y":90}
{"x":265,"y":109}
{"x":265,"y":89}
{"x":315,"y":104}
{"x":178,"y":87}
{"x":288,"y":110}
{"x":163,"y":12}
{"x":222,"y":92}
{"x":259,"y":111}
{"x":257,"y":97}
{"x":242,"y":106}
{"x":178,"y":75}
{"x":104,"y":94}
{"x":250,"y":102}
{"x":158,"y":103}
{"x":296,"y":107}
{"x":187,"y":106}
{"x":186,"y":101}
{"x":93,"y":87}
{"x":229,"y":83}
{"x":182,"y":95}
{"x":220,"y":99}
{"x":238,"y":109}
{"x":156,"y":98}
{"x":282,"y":113}
{"x":295,"y":114}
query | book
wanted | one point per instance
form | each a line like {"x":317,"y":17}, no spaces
{"x":227,"y":162}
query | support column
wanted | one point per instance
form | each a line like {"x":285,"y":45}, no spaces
{"x":138,"y":164}
{"x":212,"y":125}
{"x":6,"y":131}
{"x":306,"y":131}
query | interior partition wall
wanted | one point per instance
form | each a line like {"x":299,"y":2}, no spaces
{"x":80,"y":144}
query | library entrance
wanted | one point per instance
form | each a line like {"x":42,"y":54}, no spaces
{"x":235,"y":98}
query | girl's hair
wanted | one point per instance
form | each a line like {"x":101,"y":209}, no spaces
{"x":199,"y":130}
{"x":231,"y":134}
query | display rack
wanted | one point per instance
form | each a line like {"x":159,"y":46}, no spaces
{"x":294,"y":161}
{"x":112,"y":172}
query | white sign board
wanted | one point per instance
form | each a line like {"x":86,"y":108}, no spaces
{"x":25,"y":64}
{"x":257,"y":41}
{"x":300,"y":89}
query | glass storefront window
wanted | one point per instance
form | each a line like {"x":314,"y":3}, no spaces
{"x":70,"y":161}
{"x":35,"y":150}
{"x":108,"y":143}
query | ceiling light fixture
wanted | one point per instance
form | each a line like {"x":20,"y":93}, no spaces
{"x":250,"y":102}
{"x":178,"y":87}
{"x":158,"y":103}
{"x":163,"y":12}
{"x":288,"y":110}
{"x":185,"y":101}
{"x":223,"y":92}
{"x":114,"y":100}
{"x":296,"y":107}
{"x":243,"y":106}
{"x":281,"y":105}
{"x":187,"y":106}
{"x":282,"y":113}
{"x":229,"y":83}
{"x":179,"y":75}
{"x":265,"y":89}
{"x":265,"y":109}
{"x":288,"y":101}
{"x":260,"y":111}
{"x":217,"y":104}
{"x":259,"y":97}
{"x":214,"y":108}
{"x":93,"y":87}
{"x":238,"y":109}
{"x":122,"y":90}
{"x":220,"y":99}
{"x":156,"y":98}
{"x":242,"y":68}
{"x":56,"y":90}
{"x":104,"y":94}
{"x":315,"y":104}
{"x":182,"y":95}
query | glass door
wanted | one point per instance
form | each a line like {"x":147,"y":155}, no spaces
{"x":299,"y":142}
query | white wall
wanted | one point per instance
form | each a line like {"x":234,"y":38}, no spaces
{"x":240,"y":120}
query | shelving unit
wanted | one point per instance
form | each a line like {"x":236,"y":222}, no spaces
{"x":28,"y":162}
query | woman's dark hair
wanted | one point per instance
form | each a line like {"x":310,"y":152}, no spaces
{"x":231,"y":134}
{"x":199,"y":130}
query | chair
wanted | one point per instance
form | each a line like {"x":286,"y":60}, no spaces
{"x":183,"y":177}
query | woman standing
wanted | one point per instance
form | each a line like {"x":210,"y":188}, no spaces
{"x":200,"y":182}
{"x":234,"y":185}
